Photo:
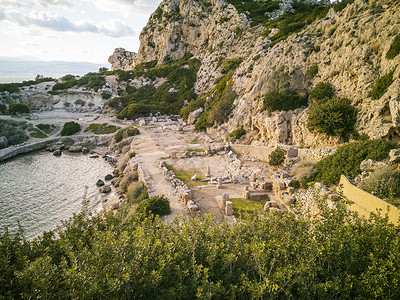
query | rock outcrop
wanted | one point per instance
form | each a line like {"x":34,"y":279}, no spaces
{"x":122,"y":60}
{"x":347,"y":49}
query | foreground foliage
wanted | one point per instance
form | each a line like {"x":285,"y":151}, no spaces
{"x":337,"y":256}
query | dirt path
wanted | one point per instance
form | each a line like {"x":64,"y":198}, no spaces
{"x":150,"y":149}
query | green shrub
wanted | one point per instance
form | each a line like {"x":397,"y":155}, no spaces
{"x":3,"y":109}
{"x":283,"y":101}
{"x":125,"y":133}
{"x":70,"y":128}
{"x":295,"y":184}
{"x":135,"y":110}
{"x":132,"y":154}
{"x":135,"y":192}
{"x":384,"y":183}
{"x":381,"y":85}
{"x":157,"y":205}
{"x":312,"y":72}
{"x":277,"y":157}
{"x":79,"y":102}
{"x":105,"y":95}
{"x":335,"y":117}
{"x":237,"y":133}
{"x":321,"y":91}
{"x":18,"y":108}
{"x":347,"y":159}
{"x":127,"y":179}
{"x":394,"y":48}
{"x":104,"y":128}
{"x":13,"y":131}
{"x":231,"y":65}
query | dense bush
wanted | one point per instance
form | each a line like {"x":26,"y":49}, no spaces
{"x":105,"y":95}
{"x":237,"y":133}
{"x":283,"y":101}
{"x":157,"y":205}
{"x":335,"y":117}
{"x":3,"y":109}
{"x":14,"y":131}
{"x":70,"y":128}
{"x":277,"y":157}
{"x":381,"y":85}
{"x":114,"y":256}
{"x":394,"y":48}
{"x":18,"y":108}
{"x":125,"y":133}
{"x":127,"y":180}
{"x":136,"y":192}
{"x":347,"y":159}
{"x":384,"y":183}
{"x":321,"y":91}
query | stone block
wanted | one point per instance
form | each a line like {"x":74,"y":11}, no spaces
{"x":228,"y":208}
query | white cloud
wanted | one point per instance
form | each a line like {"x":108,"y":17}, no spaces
{"x":31,"y":3}
{"x":57,"y":22}
{"x":140,"y":7}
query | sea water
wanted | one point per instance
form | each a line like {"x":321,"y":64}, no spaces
{"x":40,"y":190}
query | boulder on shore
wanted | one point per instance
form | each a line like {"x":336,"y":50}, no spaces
{"x":109,"y":177}
{"x":105,"y":189}
{"x":57,"y":152}
{"x":100,"y":183}
{"x":75,"y":149}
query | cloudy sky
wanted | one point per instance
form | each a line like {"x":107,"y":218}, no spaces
{"x":71,"y":30}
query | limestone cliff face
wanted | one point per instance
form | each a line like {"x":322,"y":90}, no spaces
{"x":349,"y":48}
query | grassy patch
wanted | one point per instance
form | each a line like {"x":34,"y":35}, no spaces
{"x":187,"y":178}
{"x":394,"y":48}
{"x":195,"y":150}
{"x":46,"y":128}
{"x":244,"y":209}
{"x":381,"y":85}
{"x":104,"y":128}
{"x":36,"y":133}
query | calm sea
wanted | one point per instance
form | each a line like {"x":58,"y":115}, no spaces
{"x":40,"y":189}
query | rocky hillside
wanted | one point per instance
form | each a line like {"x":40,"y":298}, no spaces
{"x":253,"y":54}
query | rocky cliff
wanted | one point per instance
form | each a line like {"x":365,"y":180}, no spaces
{"x":346,"y":48}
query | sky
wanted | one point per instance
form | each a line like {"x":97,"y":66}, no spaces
{"x":71,"y":30}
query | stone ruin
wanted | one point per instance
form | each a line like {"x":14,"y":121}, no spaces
{"x":183,"y":191}
{"x":226,"y":207}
